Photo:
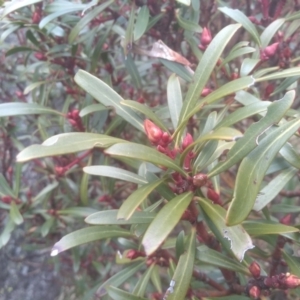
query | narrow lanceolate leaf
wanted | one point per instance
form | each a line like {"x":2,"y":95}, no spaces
{"x":15,"y":5}
{"x":180,"y":282}
{"x":141,"y":23}
{"x":15,"y":214}
{"x":224,"y":133}
{"x":117,"y":279}
{"x":217,"y":259}
{"x":263,"y":227}
{"x":270,"y":31}
{"x":205,"y":67}
{"x":250,"y":139}
{"x":67,"y":143}
{"x":87,"y":19}
{"x":136,"y":198}
{"x":239,"y":240}
{"x":107,"y":96}
{"x":86,"y":235}
{"x":117,"y":294}
{"x":165,"y":221}
{"x":140,"y":288}
{"x":5,"y":189}
{"x":143,"y":153}
{"x":19,"y":108}
{"x":281,"y":74}
{"x":288,"y":152}
{"x":174,"y":99}
{"x":224,"y":90}
{"x":109,"y":217}
{"x":114,"y":172}
{"x":146,"y":111}
{"x":129,"y":31}
{"x":272,"y":189}
{"x":239,"y":17}
{"x":292,"y":262}
{"x":252,"y":170}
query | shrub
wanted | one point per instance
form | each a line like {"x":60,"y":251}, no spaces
{"x":195,"y":176}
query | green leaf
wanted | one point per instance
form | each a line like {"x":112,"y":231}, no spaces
{"x":249,"y":141}
{"x":47,"y":226}
{"x":293,"y":263}
{"x":185,"y":2}
{"x":272,"y":189}
{"x":15,"y":214}
{"x":67,"y":143}
{"x":179,"y":246}
{"x":224,"y":90}
{"x":109,"y":217}
{"x":211,"y":257}
{"x":5,"y":189}
{"x":114,"y":172}
{"x":180,"y":282}
{"x":285,"y":84}
{"x":84,"y":184}
{"x":140,"y":288}
{"x":187,"y":24}
{"x":15,"y":5}
{"x":240,"y":241}
{"x":285,"y":208}
{"x":289,"y":153}
{"x":91,"y":109}
{"x":107,"y":96}
{"x":86,"y":235}
{"x":223,"y":133}
{"x":248,"y":65}
{"x":119,"y":278}
{"x":205,"y":67}
{"x":244,"y":113}
{"x":146,"y":111}
{"x":129,"y":31}
{"x":6,"y":233}
{"x":136,"y":198}
{"x":239,"y":17}
{"x":165,"y":221}
{"x":15,"y":50}
{"x":253,"y":169}
{"x":270,"y":31}
{"x":77,"y":211}
{"x":177,"y":68}
{"x":238,"y":52}
{"x":87,"y":19}
{"x":133,"y":71}
{"x":295,"y":71}
{"x":141,"y":24}
{"x":20,"y":108}
{"x":143,"y":153}
{"x":263,"y":227}
{"x":174,"y":99}
{"x":117,"y":294}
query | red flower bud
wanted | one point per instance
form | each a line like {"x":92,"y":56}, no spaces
{"x":205,"y":92}
{"x":40,"y":56}
{"x":211,"y":195}
{"x":200,"y":179}
{"x":290,"y":281}
{"x":205,"y":37}
{"x":165,"y":139}
{"x":254,"y":268}
{"x":286,"y":220}
{"x":270,"y":50}
{"x":153,"y":132}
{"x":254,"y":292}
{"x":133,"y":254}
{"x":188,"y":140}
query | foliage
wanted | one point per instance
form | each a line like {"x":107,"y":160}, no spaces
{"x":189,"y":186}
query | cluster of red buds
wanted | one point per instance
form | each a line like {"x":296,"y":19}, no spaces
{"x":160,"y":257}
{"x":40,"y":56}
{"x":205,"y":39}
{"x":180,"y":184}
{"x":9,"y":199}
{"x":269,"y":52}
{"x":261,"y":284}
{"x":75,"y":120}
{"x":37,"y":14}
